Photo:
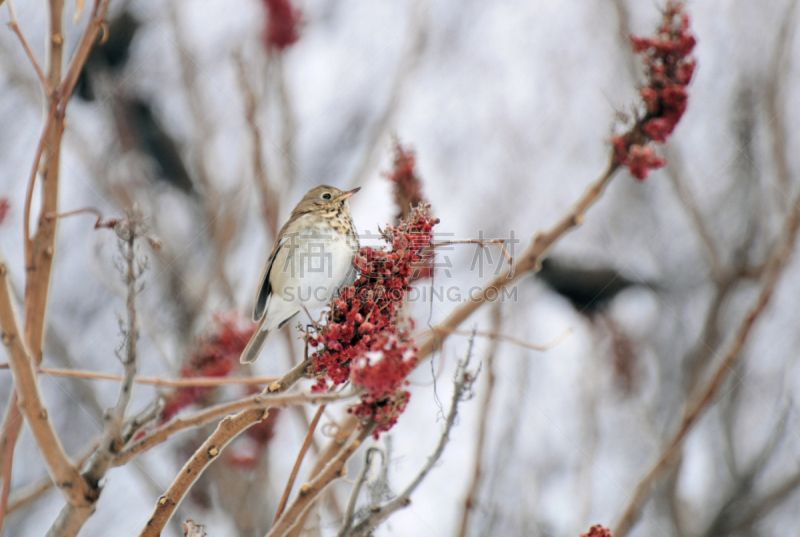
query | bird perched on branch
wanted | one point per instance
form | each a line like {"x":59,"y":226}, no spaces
{"x":311,"y":260}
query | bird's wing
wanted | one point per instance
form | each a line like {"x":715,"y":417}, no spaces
{"x":265,"y":288}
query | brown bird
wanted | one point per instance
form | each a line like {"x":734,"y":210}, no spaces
{"x":311,"y":260}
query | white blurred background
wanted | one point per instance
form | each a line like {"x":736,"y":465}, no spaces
{"x":508,"y":106}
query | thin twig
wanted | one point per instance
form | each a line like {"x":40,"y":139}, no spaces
{"x":270,"y":200}
{"x":30,"y":401}
{"x":343,"y":432}
{"x":350,"y":510}
{"x":704,"y":397}
{"x":147,"y":415}
{"x":310,"y":491}
{"x":227,"y":429}
{"x":14,"y":25}
{"x":462,"y":390}
{"x":189,"y":382}
{"x":96,"y":25}
{"x":494,"y":336}
{"x":297,"y":463}
{"x":481,"y":440}
{"x":775,"y":90}
{"x":72,"y":518}
{"x":260,"y":401}
{"x":100,"y":223}
{"x":483,"y":243}
{"x":36,"y":489}
{"x":676,"y":175}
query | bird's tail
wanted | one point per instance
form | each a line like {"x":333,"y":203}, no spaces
{"x":256,"y":343}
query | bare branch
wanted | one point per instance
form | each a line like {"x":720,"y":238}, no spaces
{"x":190,"y":382}
{"x":228,"y":429}
{"x":270,"y":200}
{"x":9,"y":444}
{"x":676,"y":175}
{"x":12,"y":422}
{"x":529,"y":261}
{"x":260,"y":401}
{"x":310,"y":491}
{"x":36,"y":489}
{"x":349,"y":513}
{"x":705,"y":396}
{"x":462,"y":390}
{"x":40,"y":249}
{"x":30,"y":402}
{"x":300,"y":456}
{"x":481,"y":440}
{"x":494,"y":336}
{"x":775,"y":90}
{"x":14,"y":25}
{"x":343,"y":432}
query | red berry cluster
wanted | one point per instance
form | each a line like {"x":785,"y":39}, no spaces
{"x":669,"y":69}
{"x":216,"y":356}
{"x":598,"y":531}
{"x":408,"y":194}
{"x":407,"y":185}
{"x":281,"y":30}
{"x":364,"y":339}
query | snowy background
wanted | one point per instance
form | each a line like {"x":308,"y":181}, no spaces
{"x":509,"y":107}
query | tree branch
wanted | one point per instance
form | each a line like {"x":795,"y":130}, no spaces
{"x":350,"y":510}
{"x":270,"y":200}
{"x":310,"y":491}
{"x":35,"y":490}
{"x":462,"y":390}
{"x":705,"y":396}
{"x":300,"y":456}
{"x":260,"y":401}
{"x":189,"y":382}
{"x":470,"y":501}
{"x":29,"y":399}
{"x":227,"y":429}
{"x":14,"y":25}
{"x":72,"y":518}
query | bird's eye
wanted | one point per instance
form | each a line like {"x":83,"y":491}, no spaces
{"x":326,"y":196}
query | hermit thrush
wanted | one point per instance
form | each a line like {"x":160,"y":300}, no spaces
{"x":312,"y":258}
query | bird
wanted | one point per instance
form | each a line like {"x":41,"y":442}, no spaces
{"x":589,"y":289}
{"x":311,"y":260}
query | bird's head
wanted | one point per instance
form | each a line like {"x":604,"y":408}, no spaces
{"x":325,"y":197}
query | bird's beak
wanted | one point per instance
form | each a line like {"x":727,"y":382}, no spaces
{"x":347,"y":194}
